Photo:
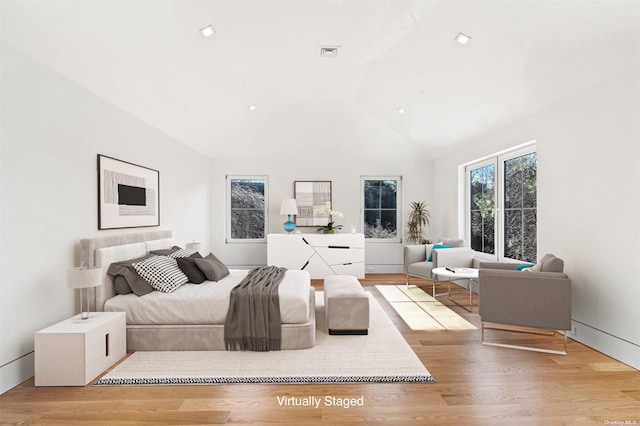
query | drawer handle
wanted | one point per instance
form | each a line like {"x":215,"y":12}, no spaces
{"x":339,"y":247}
{"x":106,"y":345}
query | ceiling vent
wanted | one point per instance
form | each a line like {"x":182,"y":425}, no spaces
{"x":329,"y":51}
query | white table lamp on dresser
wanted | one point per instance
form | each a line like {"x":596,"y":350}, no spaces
{"x":289,"y":207}
{"x":83,"y":278}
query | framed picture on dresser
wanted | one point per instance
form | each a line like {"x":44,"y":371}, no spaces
{"x":128,"y":194}
{"x":312,"y":198}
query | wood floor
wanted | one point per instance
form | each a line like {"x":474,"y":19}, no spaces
{"x":475,"y":385}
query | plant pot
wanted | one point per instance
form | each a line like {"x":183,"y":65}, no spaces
{"x":329,"y":231}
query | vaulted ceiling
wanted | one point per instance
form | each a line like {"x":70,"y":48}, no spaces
{"x":148,"y":58}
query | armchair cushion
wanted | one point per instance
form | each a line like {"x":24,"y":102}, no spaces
{"x":550,"y":263}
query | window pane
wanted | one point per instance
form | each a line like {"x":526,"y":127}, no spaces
{"x":247,"y":224}
{"x":371,"y":194}
{"x":520,"y":181}
{"x":482,"y":193}
{"x":247,"y":194}
{"x":388,"y":191}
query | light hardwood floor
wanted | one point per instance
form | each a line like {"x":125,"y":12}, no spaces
{"x":475,"y":385}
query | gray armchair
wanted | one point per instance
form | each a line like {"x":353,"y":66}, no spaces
{"x":540,"y":299}
{"x":417,"y":263}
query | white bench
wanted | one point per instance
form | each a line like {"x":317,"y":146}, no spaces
{"x":346,"y":305}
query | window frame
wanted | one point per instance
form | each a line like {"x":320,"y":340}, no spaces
{"x":228,"y":237}
{"x":498,"y":160}
{"x":399,"y":217}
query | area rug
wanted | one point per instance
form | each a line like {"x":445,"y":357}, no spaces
{"x":382,"y":356}
{"x":420,"y":311}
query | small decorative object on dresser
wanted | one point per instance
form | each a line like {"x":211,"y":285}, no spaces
{"x":73,"y":352}
{"x":331,"y":227}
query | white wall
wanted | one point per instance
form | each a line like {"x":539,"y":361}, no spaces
{"x":344,"y":173}
{"x":588,"y":203}
{"x":52,"y":131}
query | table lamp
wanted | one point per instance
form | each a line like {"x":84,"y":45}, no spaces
{"x":289,"y":207}
{"x":82,"y":278}
{"x":194,"y":245}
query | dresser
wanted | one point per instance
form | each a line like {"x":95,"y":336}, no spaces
{"x":321,"y":255}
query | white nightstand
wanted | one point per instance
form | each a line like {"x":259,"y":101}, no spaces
{"x":73,"y":352}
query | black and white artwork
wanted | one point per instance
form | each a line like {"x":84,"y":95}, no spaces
{"x":313,"y":199}
{"x":128,"y":194}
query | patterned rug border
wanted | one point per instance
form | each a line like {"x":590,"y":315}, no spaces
{"x":252,"y":380}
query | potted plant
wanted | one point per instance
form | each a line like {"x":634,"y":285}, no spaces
{"x":419,"y":217}
{"x":331,"y":227}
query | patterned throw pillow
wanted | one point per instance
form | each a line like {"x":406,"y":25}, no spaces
{"x":182,"y":253}
{"x":162,"y":273}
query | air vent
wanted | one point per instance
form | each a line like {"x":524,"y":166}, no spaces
{"x":329,"y":52}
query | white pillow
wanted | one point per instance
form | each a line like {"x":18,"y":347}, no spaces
{"x":535,"y":268}
{"x":161,"y":272}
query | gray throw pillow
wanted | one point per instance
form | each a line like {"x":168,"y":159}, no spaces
{"x":212,"y":267}
{"x":124,"y":269}
{"x":188,"y":266}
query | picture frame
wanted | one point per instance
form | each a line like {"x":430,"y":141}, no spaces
{"x":128,"y":194}
{"x":312,"y":198}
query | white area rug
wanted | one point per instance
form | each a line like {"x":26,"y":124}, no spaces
{"x":420,"y":311}
{"x":381,"y":356}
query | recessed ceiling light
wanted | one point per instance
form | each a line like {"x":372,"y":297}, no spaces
{"x":463,"y":38}
{"x":328,"y":51}
{"x":401,"y":110}
{"x":207,"y":31}
{"x":252,"y":107}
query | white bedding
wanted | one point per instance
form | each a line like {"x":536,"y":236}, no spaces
{"x":207,"y":303}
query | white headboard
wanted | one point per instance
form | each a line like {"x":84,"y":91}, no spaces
{"x":115,"y":248}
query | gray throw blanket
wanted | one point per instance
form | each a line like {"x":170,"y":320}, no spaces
{"x":253,"y":319}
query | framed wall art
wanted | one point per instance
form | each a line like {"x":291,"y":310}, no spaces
{"x":128,"y":194}
{"x":312,"y":198}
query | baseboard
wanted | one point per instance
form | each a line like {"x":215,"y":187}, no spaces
{"x":16,"y":372}
{"x":615,"y":347}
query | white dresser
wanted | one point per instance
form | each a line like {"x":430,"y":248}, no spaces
{"x":319,"y":254}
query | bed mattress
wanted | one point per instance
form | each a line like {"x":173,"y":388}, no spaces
{"x":207,"y":303}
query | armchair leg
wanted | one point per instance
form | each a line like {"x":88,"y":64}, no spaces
{"x":524,"y":348}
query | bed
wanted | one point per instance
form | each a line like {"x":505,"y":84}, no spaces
{"x":192,"y":317}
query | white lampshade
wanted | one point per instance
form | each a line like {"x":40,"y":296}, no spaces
{"x":193,"y":246}
{"x":84,"y":277}
{"x":289,"y":206}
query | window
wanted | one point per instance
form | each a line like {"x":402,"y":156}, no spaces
{"x":381,"y":208}
{"x":247,"y":208}
{"x":502,"y":205}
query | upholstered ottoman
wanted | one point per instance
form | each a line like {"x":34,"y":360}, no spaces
{"x":346,"y":305}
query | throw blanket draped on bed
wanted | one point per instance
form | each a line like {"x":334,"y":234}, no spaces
{"x":253,"y":319}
